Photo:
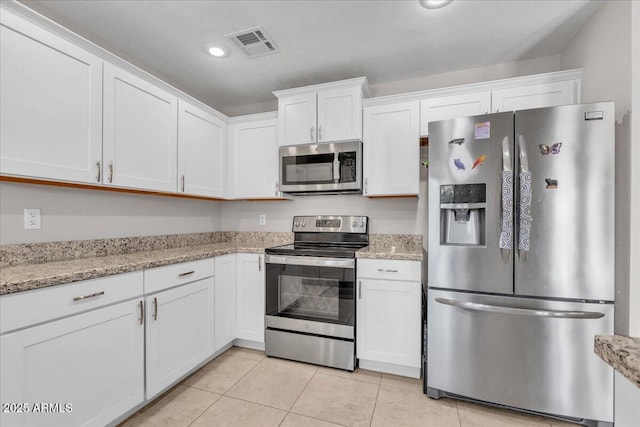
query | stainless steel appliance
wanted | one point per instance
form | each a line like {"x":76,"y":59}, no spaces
{"x":321,"y":168}
{"x":521,"y":259}
{"x":310,"y":291}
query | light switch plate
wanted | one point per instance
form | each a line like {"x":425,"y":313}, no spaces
{"x":32,"y":219}
{"x":262,"y":219}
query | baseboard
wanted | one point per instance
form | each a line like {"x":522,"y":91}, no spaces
{"x":390,"y":368}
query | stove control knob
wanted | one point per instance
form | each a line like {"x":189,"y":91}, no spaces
{"x":296,"y":224}
{"x":304,"y":224}
{"x":354,"y":224}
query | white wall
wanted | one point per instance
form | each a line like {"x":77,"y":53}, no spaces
{"x":603,"y":48}
{"x":75,"y":214}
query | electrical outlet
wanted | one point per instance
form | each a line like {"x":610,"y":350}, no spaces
{"x":32,"y":219}
{"x":262,"y":219}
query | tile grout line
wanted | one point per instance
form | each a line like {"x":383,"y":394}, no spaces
{"x":375,"y":404}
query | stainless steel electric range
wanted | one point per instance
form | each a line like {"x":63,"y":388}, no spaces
{"x":310,"y":291}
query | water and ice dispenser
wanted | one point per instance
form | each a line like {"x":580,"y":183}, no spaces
{"x":463,"y":214}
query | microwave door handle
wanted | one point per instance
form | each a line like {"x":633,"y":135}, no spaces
{"x":336,"y":168}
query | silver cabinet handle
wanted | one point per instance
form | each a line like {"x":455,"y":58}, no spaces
{"x":276,"y":188}
{"x":319,"y":133}
{"x":259,"y":263}
{"x":97,"y":294}
{"x":111,"y":172}
{"x":188,"y":273}
{"x":366,"y":186}
{"x":388,"y":270}
{"x":500,"y":309}
{"x":183,"y":183}
{"x":360,"y":289}
{"x":99,"y":171}
{"x":155,"y":308}
{"x":311,"y":133}
{"x":141,"y":318}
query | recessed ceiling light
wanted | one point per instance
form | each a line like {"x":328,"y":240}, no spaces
{"x":434,"y":4}
{"x":217,"y":51}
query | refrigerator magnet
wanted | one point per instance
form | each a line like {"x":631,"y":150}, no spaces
{"x":458,"y":164}
{"x":552,"y":184}
{"x":483,"y":130}
{"x":553,"y":149}
{"x":480,"y":160}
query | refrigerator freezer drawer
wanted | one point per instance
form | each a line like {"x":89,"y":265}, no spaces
{"x":525,"y":353}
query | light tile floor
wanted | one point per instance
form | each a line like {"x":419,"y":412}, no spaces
{"x":244,"y":388}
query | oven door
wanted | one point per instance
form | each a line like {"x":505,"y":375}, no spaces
{"x":314,"y":295}
{"x":321,"y":167}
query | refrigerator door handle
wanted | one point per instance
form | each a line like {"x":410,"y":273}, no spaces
{"x":506,"y":214}
{"x":518,"y":311}
{"x":524,"y":211}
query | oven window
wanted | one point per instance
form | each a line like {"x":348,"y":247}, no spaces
{"x":309,"y":296}
{"x":324,"y":294}
{"x":312,"y":169}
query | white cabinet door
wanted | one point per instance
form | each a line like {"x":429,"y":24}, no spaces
{"x":255,"y":159}
{"x":297,"y":119}
{"x":201,"y":152}
{"x":51,"y":104}
{"x":180,"y":333}
{"x":140,"y":133}
{"x":250,"y":283}
{"x":389,"y":321}
{"x":225,"y":301}
{"x":392,"y":149}
{"x":534,"y":96}
{"x":93,"y":362}
{"x":340,"y":114}
{"x":451,"y":107}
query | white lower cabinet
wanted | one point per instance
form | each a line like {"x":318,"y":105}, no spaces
{"x":225,"y":301}
{"x":250,"y":294}
{"x":388,"y":316}
{"x":83,"y":370}
{"x":179,"y":330}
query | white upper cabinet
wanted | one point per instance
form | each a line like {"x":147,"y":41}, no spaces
{"x":255,"y":159}
{"x":548,"y":94}
{"x":321,"y":113}
{"x":140,"y":133}
{"x":201,"y":152}
{"x":51,"y":104}
{"x":392,"y":150}
{"x":297,"y":119}
{"x":340,"y":114}
{"x":451,"y":107}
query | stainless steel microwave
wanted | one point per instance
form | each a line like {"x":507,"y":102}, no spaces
{"x":321,"y":168}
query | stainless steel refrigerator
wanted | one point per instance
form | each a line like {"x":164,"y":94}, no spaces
{"x":521,"y":259}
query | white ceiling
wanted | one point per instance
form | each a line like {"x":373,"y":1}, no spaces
{"x":320,"y":40}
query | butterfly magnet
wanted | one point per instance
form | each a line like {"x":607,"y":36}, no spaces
{"x":553,"y":149}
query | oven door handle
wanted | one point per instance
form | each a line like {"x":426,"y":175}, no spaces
{"x":311,"y":261}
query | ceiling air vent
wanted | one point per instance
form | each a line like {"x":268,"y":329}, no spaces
{"x":254,"y":42}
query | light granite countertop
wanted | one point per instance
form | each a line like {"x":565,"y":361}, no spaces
{"x":390,"y":252}
{"x":25,"y":267}
{"x":622,"y":353}
{"x":34,"y":276}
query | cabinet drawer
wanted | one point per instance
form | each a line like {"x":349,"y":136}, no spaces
{"x":28,"y":308}
{"x":389,"y":269}
{"x":157,"y":279}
